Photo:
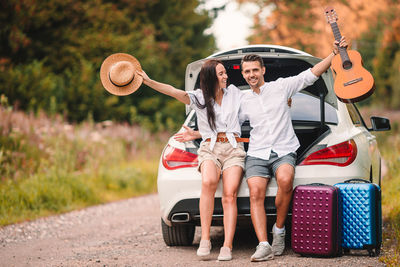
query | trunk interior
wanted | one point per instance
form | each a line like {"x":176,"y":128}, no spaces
{"x":308,"y":133}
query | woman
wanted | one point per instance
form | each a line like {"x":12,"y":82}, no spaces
{"x":217,"y":110}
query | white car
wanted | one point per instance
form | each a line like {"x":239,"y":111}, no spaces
{"x":336,"y":144}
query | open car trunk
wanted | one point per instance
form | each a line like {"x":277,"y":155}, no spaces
{"x":313,"y":108}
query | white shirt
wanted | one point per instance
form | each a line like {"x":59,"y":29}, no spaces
{"x":226,"y":115}
{"x":269,"y":115}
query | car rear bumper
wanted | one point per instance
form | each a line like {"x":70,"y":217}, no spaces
{"x":187,"y":210}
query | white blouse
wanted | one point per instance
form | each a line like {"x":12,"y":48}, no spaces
{"x":226,"y":115}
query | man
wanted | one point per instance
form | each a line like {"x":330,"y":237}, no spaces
{"x":273,"y":144}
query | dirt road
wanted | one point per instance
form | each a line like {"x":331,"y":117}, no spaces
{"x":128,"y":233}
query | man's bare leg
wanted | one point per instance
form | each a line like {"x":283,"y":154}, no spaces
{"x":258,"y":187}
{"x":284,"y":178}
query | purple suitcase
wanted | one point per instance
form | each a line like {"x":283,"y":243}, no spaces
{"x":315,"y":222}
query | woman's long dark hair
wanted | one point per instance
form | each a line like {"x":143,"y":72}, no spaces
{"x":208,"y":84}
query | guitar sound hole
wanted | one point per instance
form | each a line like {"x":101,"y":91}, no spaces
{"x":347,"y":64}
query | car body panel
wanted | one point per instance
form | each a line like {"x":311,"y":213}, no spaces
{"x":266,"y":48}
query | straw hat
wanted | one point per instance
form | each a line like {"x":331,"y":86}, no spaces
{"x":117,"y":74}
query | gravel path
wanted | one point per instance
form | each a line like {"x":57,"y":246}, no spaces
{"x":128,"y":233}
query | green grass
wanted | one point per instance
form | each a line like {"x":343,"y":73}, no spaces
{"x":389,"y":144}
{"x":51,"y":193}
{"x":48,"y":166}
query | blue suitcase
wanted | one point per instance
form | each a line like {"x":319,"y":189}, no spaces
{"x":361,"y":215}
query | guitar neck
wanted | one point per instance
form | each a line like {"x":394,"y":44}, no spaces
{"x":336,"y":31}
{"x":342,"y":50}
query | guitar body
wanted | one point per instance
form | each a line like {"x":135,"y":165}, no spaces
{"x":352,"y":84}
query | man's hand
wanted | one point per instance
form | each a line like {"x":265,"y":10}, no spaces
{"x":324,"y":65}
{"x":187,"y":135}
{"x":336,"y":45}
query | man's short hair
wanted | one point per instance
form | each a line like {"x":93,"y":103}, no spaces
{"x":252,"y":57}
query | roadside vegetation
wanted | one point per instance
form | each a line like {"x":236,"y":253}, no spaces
{"x":389,"y":146}
{"x":48,"y":166}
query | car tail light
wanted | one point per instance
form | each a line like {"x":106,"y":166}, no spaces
{"x":175,"y":158}
{"x":342,"y":154}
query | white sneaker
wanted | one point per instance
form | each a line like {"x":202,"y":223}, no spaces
{"x":263,"y":253}
{"x":225,"y":254}
{"x":278,"y":242}
{"x":204,"y":248}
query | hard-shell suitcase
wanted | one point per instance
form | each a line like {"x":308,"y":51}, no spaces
{"x":362,"y":215}
{"x":315,"y":222}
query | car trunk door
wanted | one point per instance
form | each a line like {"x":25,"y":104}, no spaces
{"x":192,"y":71}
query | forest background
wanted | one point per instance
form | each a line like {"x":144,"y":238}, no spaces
{"x":51,"y":51}
{"x":66,"y":143}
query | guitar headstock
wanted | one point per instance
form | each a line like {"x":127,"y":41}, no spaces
{"x":331,"y":16}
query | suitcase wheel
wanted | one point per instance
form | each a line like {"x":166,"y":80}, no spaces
{"x":377,"y":251}
{"x":371,"y":253}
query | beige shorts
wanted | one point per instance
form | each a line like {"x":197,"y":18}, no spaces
{"x":224,"y":155}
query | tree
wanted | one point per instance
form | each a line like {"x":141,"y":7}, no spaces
{"x":302,"y":24}
{"x":386,"y":63}
{"x":372,"y":27}
{"x":67,"y":40}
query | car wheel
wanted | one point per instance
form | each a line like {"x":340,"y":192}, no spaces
{"x":178,"y":235}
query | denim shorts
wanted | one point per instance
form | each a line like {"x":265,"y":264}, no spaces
{"x":267,"y":168}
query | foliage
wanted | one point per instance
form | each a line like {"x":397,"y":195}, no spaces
{"x":64,"y":166}
{"x":385,"y":38}
{"x":286,"y":24}
{"x":390,"y":149}
{"x":51,"y":53}
{"x":372,"y":27}
{"x":389,"y":146}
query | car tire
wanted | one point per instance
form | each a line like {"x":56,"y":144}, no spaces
{"x":178,"y":235}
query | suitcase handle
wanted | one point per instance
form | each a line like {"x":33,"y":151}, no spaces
{"x":357,"y":180}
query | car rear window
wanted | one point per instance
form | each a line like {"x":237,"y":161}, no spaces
{"x":306,"y":107}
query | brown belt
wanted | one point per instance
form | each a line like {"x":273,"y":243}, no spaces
{"x":225,"y":139}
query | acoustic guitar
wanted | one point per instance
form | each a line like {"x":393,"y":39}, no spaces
{"x":353,"y":83}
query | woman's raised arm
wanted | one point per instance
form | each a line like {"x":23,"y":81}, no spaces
{"x":165,"y":88}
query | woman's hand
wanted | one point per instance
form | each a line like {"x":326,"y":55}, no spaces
{"x":187,"y":135}
{"x":289,"y":102}
{"x":146,"y":78}
{"x":164,"y":88}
